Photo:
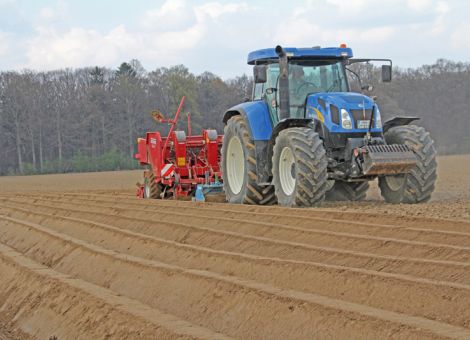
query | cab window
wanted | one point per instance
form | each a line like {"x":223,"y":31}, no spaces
{"x":258,"y":91}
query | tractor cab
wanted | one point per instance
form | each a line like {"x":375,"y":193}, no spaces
{"x":309,"y":71}
{"x":305,"y":77}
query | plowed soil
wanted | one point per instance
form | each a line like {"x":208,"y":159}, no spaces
{"x":81,"y":257}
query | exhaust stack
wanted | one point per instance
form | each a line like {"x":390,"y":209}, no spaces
{"x":284,"y":105}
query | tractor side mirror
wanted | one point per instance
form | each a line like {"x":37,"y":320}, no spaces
{"x":260,"y":73}
{"x":386,"y":73}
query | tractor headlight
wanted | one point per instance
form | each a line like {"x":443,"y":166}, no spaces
{"x":346,"y":122}
{"x":378,"y":118}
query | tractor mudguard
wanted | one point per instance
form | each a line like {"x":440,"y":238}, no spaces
{"x":398,"y":121}
{"x":257,"y":116}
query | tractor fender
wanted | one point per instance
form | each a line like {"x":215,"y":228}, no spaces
{"x":257,"y":116}
{"x":398,"y":121}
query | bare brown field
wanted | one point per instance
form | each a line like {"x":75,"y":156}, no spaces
{"x":81,"y":257}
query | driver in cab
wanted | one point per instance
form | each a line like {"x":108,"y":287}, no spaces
{"x":298,"y":90}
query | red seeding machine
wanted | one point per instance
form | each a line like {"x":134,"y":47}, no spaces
{"x":179,"y":165}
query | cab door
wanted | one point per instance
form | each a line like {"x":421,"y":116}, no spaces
{"x":271,"y":93}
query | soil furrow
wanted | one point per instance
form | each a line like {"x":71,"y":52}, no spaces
{"x":435,"y":270}
{"x":372,"y":229}
{"x":328,"y":213}
{"x":367,"y":286}
{"x":202,"y":284}
{"x":46,"y":303}
{"x":379,"y":245}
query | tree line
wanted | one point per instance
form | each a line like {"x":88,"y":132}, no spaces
{"x":88,"y":119}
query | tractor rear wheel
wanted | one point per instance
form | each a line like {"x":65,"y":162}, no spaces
{"x":152,"y":189}
{"x":348,"y":191}
{"x":299,"y":168}
{"x":417,"y":185}
{"x":239,"y":166}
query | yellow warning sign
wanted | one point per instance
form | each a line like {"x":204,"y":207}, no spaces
{"x":181,"y":161}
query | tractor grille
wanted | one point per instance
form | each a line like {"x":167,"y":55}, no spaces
{"x":334,"y":114}
{"x":359,"y":114}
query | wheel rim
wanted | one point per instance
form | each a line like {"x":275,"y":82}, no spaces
{"x":235,"y":165}
{"x":287,"y":171}
{"x":147,"y":188}
{"x":395,"y":183}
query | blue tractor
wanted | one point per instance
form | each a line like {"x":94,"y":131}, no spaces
{"x":304,"y":136}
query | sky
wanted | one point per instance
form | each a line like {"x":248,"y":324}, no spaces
{"x":217,"y":35}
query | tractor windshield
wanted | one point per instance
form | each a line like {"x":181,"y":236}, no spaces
{"x":306,"y":77}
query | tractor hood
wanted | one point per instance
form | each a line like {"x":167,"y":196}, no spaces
{"x":343,"y":100}
{"x":326,"y":107}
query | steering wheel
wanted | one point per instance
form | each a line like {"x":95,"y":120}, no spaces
{"x":297,"y":92}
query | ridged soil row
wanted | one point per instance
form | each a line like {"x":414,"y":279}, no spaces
{"x":223,"y":303}
{"x":362,"y":228}
{"x":432,"y":269}
{"x":458,"y":272}
{"x":276,"y":211}
{"x":416,"y":296}
{"x":218,"y":231}
{"x":45,"y":303}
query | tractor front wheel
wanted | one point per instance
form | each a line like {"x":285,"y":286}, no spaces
{"x":417,"y":185}
{"x":239,"y":166}
{"x":299,"y":168}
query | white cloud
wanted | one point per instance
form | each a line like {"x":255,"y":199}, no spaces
{"x":6,"y":2}
{"x":163,"y":38}
{"x":214,"y":10}
{"x":47,"y":13}
{"x":77,"y":47}
{"x":4,"y":43}
{"x":377,"y":34}
{"x":349,"y":6}
{"x":56,"y":12}
{"x":442,"y":8}
{"x":173,"y":15}
{"x":350,"y":9}
{"x":216,"y":35}
{"x":419,"y":5}
{"x":460,"y":38}
{"x":300,"y":30}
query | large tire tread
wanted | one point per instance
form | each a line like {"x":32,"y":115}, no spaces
{"x":253,"y":193}
{"x":420,"y":182}
{"x":155,"y":188}
{"x":311,"y":162}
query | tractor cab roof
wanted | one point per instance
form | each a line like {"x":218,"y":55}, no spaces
{"x":269,"y":54}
